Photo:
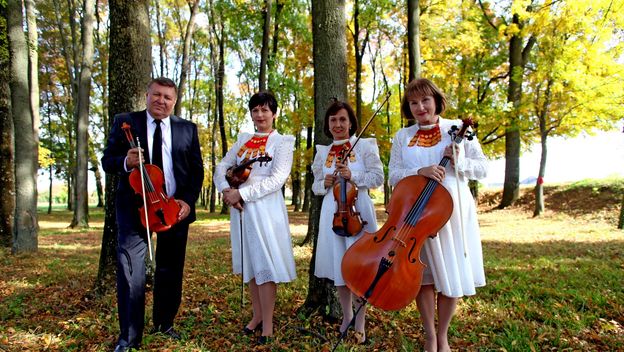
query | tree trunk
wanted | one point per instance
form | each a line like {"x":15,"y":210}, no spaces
{"x":33,"y":64}
{"x":81,"y":208}
{"x":330,"y":80}
{"x":273,"y":59}
{"x":539,"y":183}
{"x":129,"y":69}
{"x":161,"y":41}
{"x":517,"y":61}
{"x":7,"y":170}
{"x":50,"y":182}
{"x":220,"y":79}
{"x":309,"y":177}
{"x":359,"y":54}
{"x":219,"y":93}
{"x":70,"y":190}
{"x":296,"y":174}
{"x":542,"y":116}
{"x":621,"y":222}
{"x":98,"y":178}
{"x":26,"y":153}
{"x":385,"y":156}
{"x":413,"y":38}
{"x":213,"y":164}
{"x":186,"y":53}
{"x":264,"y":52}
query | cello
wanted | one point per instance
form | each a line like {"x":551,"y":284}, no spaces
{"x":384,"y":267}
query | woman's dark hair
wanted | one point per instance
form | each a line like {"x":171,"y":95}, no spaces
{"x":421,"y":87}
{"x":333,"y":110}
{"x":263,"y":98}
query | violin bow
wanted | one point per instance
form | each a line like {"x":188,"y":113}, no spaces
{"x":388,"y":94}
{"x":147,"y":228}
{"x":242,"y":288}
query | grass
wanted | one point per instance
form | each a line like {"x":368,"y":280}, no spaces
{"x":554,"y":283}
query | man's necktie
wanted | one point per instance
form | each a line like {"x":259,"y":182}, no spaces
{"x":157,"y":146}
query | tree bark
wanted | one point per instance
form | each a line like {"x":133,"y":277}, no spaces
{"x":26,"y":153}
{"x":621,"y":222}
{"x":98,"y":177}
{"x":539,"y":183}
{"x":264,"y":52}
{"x":186,"y":53}
{"x":7,"y":170}
{"x":219,"y":79}
{"x":130,"y":63}
{"x":359,"y":55}
{"x":33,"y":64}
{"x":517,"y":61}
{"x":161,"y":40}
{"x":413,"y":38}
{"x":330,"y":81}
{"x":279,"y":6}
{"x":296,"y":174}
{"x":81,"y":208}
{"x":309,"y":177}
{"x":213,"y":163}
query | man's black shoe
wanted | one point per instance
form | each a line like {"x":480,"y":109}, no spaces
{"x":120,"y":348}
{"x":170,"y":333}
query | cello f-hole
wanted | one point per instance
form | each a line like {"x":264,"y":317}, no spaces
{"x":411,"y":251}
{"x":378,"y":240}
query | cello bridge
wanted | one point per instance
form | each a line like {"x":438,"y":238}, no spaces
{"x":400,"y":241}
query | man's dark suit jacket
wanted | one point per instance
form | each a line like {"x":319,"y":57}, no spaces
{"x":186,"y":157}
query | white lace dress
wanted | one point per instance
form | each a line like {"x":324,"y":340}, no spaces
{"x":452,"y":273}
{"x":366,"y":172}
{"x":267,"y":247}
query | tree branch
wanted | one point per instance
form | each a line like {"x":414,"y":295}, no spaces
{"x":486,"y":16}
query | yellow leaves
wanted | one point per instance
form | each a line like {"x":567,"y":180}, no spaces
{"x":45,"y":157}
{"x":509,"y":31}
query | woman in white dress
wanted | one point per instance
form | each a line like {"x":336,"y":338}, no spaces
{"x":364,"y":168}
{"x":453,"y":268}
{"x":266,"y":248}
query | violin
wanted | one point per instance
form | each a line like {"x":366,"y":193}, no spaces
{"x":384,"y":267}
{"x":347,"y":220}
{"x":238,"y":174}
{"x":161,"y":212}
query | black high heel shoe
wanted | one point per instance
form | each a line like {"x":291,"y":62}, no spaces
{"x":248,"y":331}
{"x":264,"y":340}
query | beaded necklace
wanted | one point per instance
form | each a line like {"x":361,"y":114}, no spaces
{"x":336,"y":151}
{"x":255,"y":146}
{"x":426,"y":136}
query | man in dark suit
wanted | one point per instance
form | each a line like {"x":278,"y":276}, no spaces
{"x":179,"y":157}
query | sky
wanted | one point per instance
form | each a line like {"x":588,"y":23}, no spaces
{"x":568,"y":160}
